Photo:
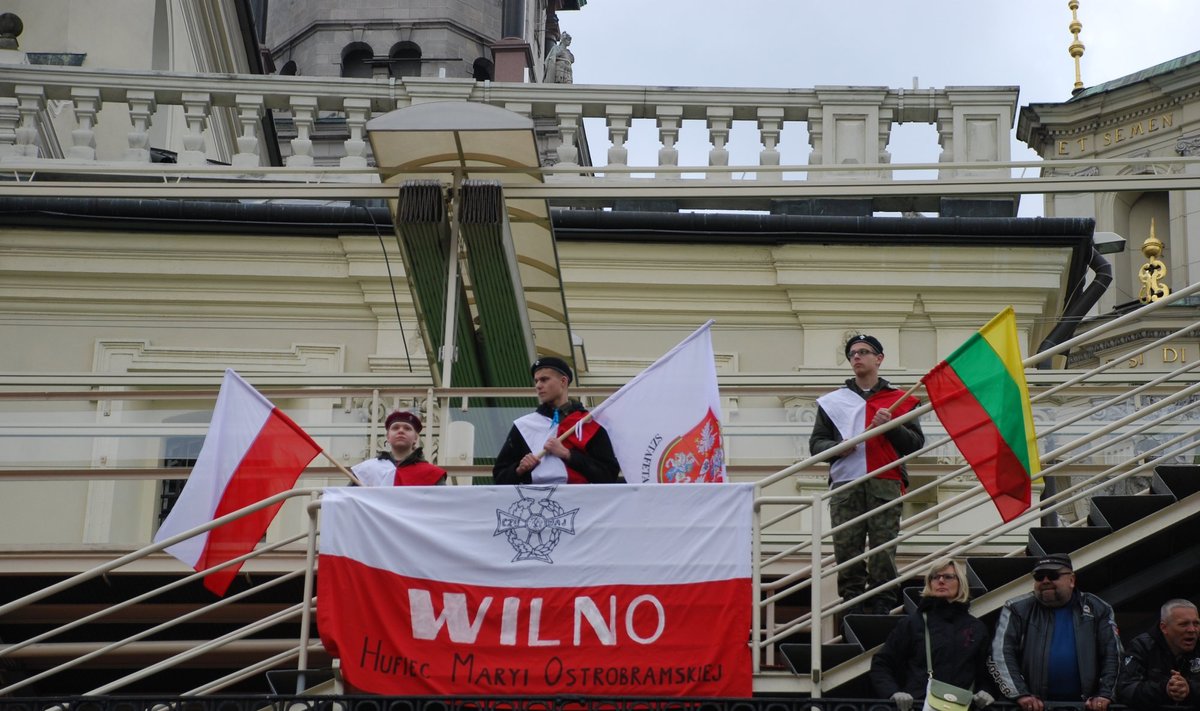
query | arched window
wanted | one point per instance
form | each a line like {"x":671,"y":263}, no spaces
{"x":289,"y":69}
{"x":405,"y":60}
{"x":356,"y":60}
{"x":483,"y":69}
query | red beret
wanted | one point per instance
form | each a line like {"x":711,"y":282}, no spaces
{"x":403,"y":416}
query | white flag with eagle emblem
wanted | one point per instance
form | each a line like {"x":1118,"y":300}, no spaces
{"x":665,"y":424}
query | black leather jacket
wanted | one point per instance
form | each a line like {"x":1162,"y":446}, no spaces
{"x":1021,"y":646}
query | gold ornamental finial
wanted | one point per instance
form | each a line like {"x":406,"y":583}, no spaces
{"x":1153,"y":270}
{"x":1076,"y":48}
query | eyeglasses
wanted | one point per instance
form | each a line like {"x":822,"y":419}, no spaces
{"x":942,"y":577}
{"x":1047,"y":575}
{"x":861,"y":353}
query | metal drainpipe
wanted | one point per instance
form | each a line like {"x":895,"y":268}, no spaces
{"x":1073,"y":313}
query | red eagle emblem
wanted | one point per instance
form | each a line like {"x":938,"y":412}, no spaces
{"x":697,"y":456}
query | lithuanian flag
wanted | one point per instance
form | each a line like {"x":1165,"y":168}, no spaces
{"x":979,"y":394}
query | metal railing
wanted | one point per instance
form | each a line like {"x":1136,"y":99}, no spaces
{"x":1165,"y":415}
{"x":1159,"y":416}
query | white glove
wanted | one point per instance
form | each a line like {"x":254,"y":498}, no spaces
{"x":903,"y":701}
{"x":982,"y":699}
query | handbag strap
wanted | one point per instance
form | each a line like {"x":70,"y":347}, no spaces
{"x":928,"y":654}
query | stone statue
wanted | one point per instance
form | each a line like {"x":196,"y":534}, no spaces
{"x":559,"y":61}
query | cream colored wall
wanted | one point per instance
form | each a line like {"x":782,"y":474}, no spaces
{"x":107,"y":303}
{"x":114,"y":33}
{"x":115,"y":302}
{"x":787,"y":307}
{"x":162,"y":35}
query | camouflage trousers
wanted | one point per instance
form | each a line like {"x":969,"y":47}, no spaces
{"x":884,"y":525}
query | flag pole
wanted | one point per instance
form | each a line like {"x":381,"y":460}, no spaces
{"x":587,"y":417}
{"x":349,"y":474}
{"x":907,"y":393}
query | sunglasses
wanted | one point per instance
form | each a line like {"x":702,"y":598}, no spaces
{"x":1047,"y":575}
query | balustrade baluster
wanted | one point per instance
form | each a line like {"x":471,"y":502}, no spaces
{"x":10,"y":117}
{"x":770,"y":125}
{"x":619,"y":117}
{"x":196,"y":109}
{"x":568,"y":125}
{"x":357,"y":112}
{"x":669,"y":118}
{"x":720,"y":119}
{"x":30,"y":101}
{"x":304,"y":109}
{"x":142,"y":105}
{"x":83,"y":137}
{"x":250,"y":109}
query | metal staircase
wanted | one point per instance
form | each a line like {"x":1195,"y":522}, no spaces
{"x":1129,"y":498}
{"x":1135,"y":552}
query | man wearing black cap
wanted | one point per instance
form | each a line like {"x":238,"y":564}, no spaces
{"x":1056,"y":643}
{"x":404,"y":464}
{"x":862,"y":403}
{"x":1162,"y":666}
{"x":585,"y":456}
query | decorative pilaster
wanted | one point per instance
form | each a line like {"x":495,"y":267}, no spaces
{"x":83,"y":138}
{"x":980,"y":123}
{"x":304,"y":110}
{"x":357,"y":112}
{"x":885,"y":137}
{"x":250,"y":107}
{"x":816,"y":137}
{"x":848,"y":129}
{"x":945,"y":133}
{"x":196,"y":109}
{"x":142,"y":106}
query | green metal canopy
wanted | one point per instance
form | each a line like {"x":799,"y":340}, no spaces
{"x":509,"y":306}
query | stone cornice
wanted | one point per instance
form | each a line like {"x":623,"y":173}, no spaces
{"x":1095,"y":350}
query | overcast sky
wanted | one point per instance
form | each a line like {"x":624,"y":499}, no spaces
{"x":805,"y":43}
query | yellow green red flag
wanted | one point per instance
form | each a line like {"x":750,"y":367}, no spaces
{"x":980,"y":395}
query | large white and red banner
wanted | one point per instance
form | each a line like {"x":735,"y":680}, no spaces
{"x":665,"y":424}
{"x":252,"y":451}
{"x":538,"y":590}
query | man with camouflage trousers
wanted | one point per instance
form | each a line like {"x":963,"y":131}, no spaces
{"x":845,"y":413}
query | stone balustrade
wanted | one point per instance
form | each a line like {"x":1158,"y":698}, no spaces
{"x":219,"y":117}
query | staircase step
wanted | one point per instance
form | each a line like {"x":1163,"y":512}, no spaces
{"x":989,"y":573}
{"x":1117,"y":512}
{"x":799,"y":656}
{"x":868,"y":631}
{"x":1043,"y":540}
{"x":910,"y":597}
{"x":1181,"y":481}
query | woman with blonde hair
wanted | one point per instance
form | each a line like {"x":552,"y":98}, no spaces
{"x":958,"y":643}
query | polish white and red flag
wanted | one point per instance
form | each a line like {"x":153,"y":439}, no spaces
{"x":543,"y":590}
{"x":665,"y":424}
{"x":252,"y":451}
